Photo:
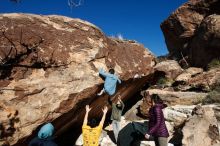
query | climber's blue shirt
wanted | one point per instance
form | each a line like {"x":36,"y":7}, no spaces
{"x":110,"y":82}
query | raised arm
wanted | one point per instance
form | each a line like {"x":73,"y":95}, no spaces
{"x":86,"y":115}
{"x":103,"y":73}
{"x":104,"y":115}
{"x":122,"y":103}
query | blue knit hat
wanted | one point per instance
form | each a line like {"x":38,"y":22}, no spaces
{"x":46,"y":131}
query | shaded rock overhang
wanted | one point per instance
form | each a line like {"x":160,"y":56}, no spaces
{"x":53,"y":61}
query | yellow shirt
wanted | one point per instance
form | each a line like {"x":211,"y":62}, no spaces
{"x":91,"y":135}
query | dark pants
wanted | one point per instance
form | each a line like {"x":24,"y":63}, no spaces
{"x":160,"y":141}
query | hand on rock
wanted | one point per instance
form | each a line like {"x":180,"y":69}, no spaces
{"x":101,"y":70}
{"x":87,"y":108}
{"x":119,"y":97}
{"x":105,"y":109}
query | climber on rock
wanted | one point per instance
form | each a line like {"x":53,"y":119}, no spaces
{"x":92,"y":132}
{"x":110,"y":84}
{"x":45,"y":137}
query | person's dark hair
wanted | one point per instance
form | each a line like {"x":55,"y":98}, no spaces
{"x":111,"y":71}
{"x":156,"y":98}
{"x":119,"y":106}
{"x":93,"y":123}
{"x":145,"y":93}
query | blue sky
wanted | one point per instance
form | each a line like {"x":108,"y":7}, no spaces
{"x":135,"y":19}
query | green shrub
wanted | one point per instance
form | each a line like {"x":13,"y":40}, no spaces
{"x":213,"y":96}
{"x":163,"y":81}
{"x":214,"y":63}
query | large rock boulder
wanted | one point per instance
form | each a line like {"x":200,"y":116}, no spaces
{"x":171,"y":68}
{"x":217,"y":115}
{"x":178,"y":97}
{"x":205,"y":45}
{"x":207,"y":79}
{"x":188,"y":74}
{"x":201,"y":129}
{"x":178,"y":114}
{"x":188,"y":32}
{"x":194,"y":79}
{"x":49,"y":72}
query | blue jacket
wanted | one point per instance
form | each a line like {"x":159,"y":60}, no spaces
{"x":44,"y":136}
{"x":110,"y":82}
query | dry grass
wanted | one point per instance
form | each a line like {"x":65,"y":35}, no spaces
{"x":214,"y":64}
{"x":213,"y":96}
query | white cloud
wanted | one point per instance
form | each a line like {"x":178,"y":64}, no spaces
{"x":120,"y":36}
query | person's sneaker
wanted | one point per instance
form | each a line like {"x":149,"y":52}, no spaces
{"x":101,"y":92}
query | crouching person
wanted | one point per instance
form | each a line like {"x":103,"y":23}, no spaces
{"x":44,"y":137}
{"x":92,"y":132}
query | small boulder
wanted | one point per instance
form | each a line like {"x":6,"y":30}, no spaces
{"x":201,"y":129}
{"x":171,"y":68}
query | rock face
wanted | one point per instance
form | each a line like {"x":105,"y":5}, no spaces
{"x":206,"y":80}
{"x":188,"y":74}
{"x":178,"y":97}
{"x":49,"y":72}
{"x":205,"y":44}
{"x":192,"y":31}
{"x":178,"y":114}
{"x":171,"y":68}
{"x":201,"y":129}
